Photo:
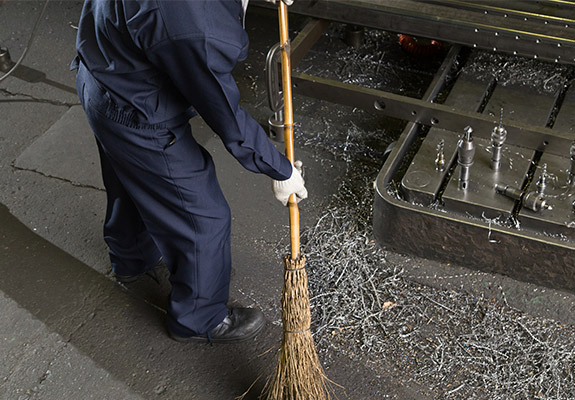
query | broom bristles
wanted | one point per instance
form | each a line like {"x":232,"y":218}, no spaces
{"x":298,"y":374}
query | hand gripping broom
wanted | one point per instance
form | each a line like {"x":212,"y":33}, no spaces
{"x":298,"y":374}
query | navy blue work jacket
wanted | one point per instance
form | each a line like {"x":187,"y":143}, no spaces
{"x":160,"y":60}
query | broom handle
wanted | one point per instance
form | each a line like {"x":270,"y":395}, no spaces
{"x":288,"y":123}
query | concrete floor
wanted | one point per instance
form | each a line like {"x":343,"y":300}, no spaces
{"x":68,"y":331}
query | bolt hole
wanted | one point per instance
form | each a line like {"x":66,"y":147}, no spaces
{"x":414,"y":113}
{"x":434,"y":121}
{"x":379,"y":105}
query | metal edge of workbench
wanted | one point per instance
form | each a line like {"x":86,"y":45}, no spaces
{"x":484,"y":30}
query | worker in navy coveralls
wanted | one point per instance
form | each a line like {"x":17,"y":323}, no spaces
{"x":144,"y":69}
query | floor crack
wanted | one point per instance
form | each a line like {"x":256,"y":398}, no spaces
{"x":33,"y":99}
{"x":77,"y":184}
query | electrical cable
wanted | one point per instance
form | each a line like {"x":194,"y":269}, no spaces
{"x":30,"y":41}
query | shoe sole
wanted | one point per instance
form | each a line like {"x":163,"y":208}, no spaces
{"x":204,"y":339}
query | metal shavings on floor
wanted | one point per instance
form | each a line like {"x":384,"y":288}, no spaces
{"x":456,"y":345}
{"x":519,"y":71}
{"x":453,"y":344}
{"x":378,"y":63}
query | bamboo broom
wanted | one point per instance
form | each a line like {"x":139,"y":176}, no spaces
{"x":298,"y":374}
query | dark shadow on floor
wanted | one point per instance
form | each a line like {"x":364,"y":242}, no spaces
{"x":119,"y":331}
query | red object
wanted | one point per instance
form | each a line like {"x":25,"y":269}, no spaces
{"x":420,"y":47}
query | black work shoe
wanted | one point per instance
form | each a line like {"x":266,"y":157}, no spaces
{"x":153,"y":273}
{"x":239,"y":325}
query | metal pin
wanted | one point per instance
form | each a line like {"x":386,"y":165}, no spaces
{"x":440,"y":160}
{"x":465,"y":155}
{"x":498,"y":136}
{"x":543,"y":179}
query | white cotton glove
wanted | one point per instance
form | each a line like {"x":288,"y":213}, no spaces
{"x":295,"y":184}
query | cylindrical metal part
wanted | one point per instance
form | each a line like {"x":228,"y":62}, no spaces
{"x":276,"y":127}
{"x":498,"y":136}
{"x":465,"y":155}
{"x":495,"y":157}
{"x":5,"y":60}
{"x":532,"y":200}
{"x":440,"y":160}
{"x":464,"y":178}
{"x":571,"y":177}
{"x":508,"y":191}
{"x":542,"y":181}
{"x":535,"y":201}
{"x":354,"y":35}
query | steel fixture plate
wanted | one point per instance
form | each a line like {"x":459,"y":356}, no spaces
{"x":423,"y":179}
{"x":480,"y":200}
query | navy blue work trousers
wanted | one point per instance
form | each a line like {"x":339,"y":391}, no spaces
{"x":163,"y":200}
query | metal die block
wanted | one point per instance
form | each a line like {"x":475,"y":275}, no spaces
{"x":565,"y":121}
{"x":423,"y":178}
{"x":480,"y":199}
{"x":467,"y":92}
{"x":559,"y":194}
{"x":517,"y":104}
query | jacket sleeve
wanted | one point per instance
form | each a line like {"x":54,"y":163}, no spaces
{"x":201,"y":69}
